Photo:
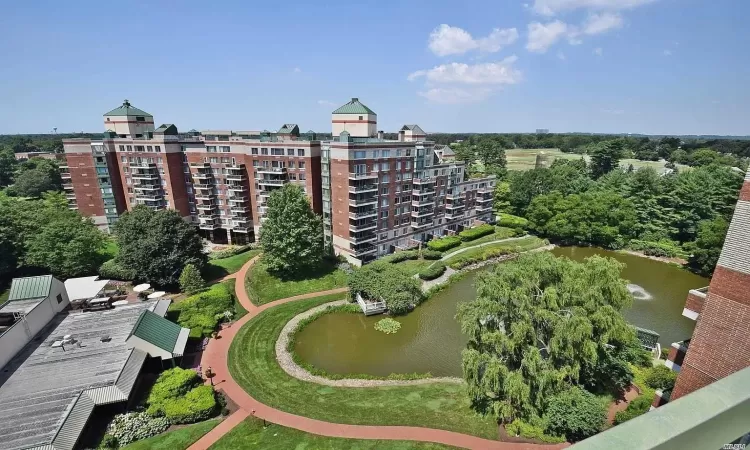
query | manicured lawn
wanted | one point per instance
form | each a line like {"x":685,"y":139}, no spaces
{"x":252,"y":362}
{"x":500,"y":233}
{"x":217,"y":268}
{"x":525,"y":159}
{"x":4,"y":295}
{"x":179,"y":439}
{"x":527,"y":243}
{"x":414,"y":266}
{"x":251,"y":434}
{"x":263,"y":287}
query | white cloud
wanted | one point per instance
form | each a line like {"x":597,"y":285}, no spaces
{"x":501,"y":72}
{"x":543,"y":36}
{"x":447,"y":40}
{"x":452,"y":96}
{"x":552,"y":7}
{"x":297,"y":70}
{"x":600,"y":23}
{"x":667,"y":52}
{"x":598,"y":51}
{"x":561,"y":55}
{"x":326,"y":103}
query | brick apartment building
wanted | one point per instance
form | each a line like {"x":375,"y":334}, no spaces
{"x":375,"y":195}
{"x":720,"y":345}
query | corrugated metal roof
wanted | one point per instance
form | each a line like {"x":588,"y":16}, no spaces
{"x":70,"y":430}
{"x":127,"y":110}
{"x":161,"y":307}
{"x":735,"y":254}
{"x":157,"y":330}
{"x":354,"y":107}
{"x":129,"y":374}
{"x":30,"y":287}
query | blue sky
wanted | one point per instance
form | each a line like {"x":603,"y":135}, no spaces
{"x":640,"y":66}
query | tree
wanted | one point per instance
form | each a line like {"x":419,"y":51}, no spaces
{"x":492,"y":156}
{"x":8,"y":165}
{"x":67,"y":246}
{"x":703,"y":157}
{"x":575,"y":414}
{"x":707,"y":247}
{"x":605,"y":157}
{"x":157,"y":245}
{"x":34,"y":182}
{"x":535,"y":323}
{"x":383,"y":280}
{"x":501,"y":197}
{"x":292,"y":237}
{"x":191,"y":280}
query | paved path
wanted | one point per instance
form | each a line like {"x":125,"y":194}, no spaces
{"x":216,"y":357}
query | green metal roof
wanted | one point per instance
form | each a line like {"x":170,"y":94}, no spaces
{"x":354,"y":107}
{"x":127,"y":110}
{"x":289,"y":128}
{"x":157,"y":330}
{"x":166,"y":128}
{"x":30,"y":287}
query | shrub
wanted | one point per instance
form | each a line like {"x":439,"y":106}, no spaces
{"x":111,"y":270}
{"x":432,"y":272}
{"x":466,"y":260}
{"x":431,"y":254}
{"x":518,"y":232}
{"x":663,"y":248}
{"x":191,"y":280}
{"x":388,"y":325}
{"x":402,"y":256}
{"x":476,"y":232}
{"x":109,"y":441}
{"x":198,"y":404}
{"x":660,"y":377}
{"x":575,"y":414}
{"x":171,"y":383}
{"x":444,"y":243}
{"x":640,"y":405}
{"x":664,"y":352}
{"x":130,"y":427}
{"x":528,"y":431}
{"x":382,"y":280}
{"x":511,"y":221}
{"x":231,"y":251}
{"x":201,"y":310}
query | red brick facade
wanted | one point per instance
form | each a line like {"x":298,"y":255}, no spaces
{"x":83,"y":177}
{"x":731,"y":284}
{"x":695,"y":302}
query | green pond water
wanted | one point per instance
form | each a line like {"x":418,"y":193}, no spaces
{"x":430,"y":339}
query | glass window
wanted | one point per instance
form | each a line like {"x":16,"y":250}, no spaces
{"x":149,"y":148}
{"x":386,"y":153}
{"x":263,"y":151}
{"x":277,"y":151}
{"x":375,"y":167}
{"x":301,"y":165}
{"x":211,"y":149}
{"x":302,"y":176}
{"x":385,"y":178}
{"x":374,"y":154}
{"x":290,"y":152}
{"x":360,"y":155}
{"x":291,"y":164}
{"x":213,"y":159}
{"x":224,"y":148}
{"x":123,"y":158}
{"x":384,"y":190}
{"x":254,"y":151}
{"x":300,"y":152}
{"x":255,"y":163}
{"x":398,"y":165}
{"x":122,"y":148}
{"x":383,"y":202}
{"x":157,"y":148}
{"x":385,"y":166}
{"x":130,"y":148}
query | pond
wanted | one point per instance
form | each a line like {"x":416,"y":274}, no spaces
{"x":430,"y":339}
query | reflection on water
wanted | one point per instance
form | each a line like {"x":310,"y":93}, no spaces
{"x":638,"y":292}
{"x":430,"y":338}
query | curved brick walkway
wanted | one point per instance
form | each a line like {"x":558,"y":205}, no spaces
{"x":215,"y":356}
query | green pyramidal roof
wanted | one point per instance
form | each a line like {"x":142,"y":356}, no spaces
{"x":354,"y":107}
{"x":157,"y":330}
{"x":30,"y":287}
{"x":127,"y":110}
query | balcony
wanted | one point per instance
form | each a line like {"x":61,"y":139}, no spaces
{"x":70,"y":195}
{"x":455,"y":206}
{"x":149,"y":197}
{"x":363,"y":188}
{"x":364,"y":250}
{"x":363,"y":202}
{"x":677,"y":355}
{"x":65,"y":175}
{"x":418,"y":225}
{"x":423,"y":181}
{"x":206,"y":206}
{"x":205,"y":195}
{"x":271,"y":182}
{"x":363,"y":176}
{"x":239,"y":219}
{"x":240,"y":229}
{"x":203,"y":185}
{"x":484,"y":199}
{"x":453,"y":215}
{"x":367,"y":226}
{"x":452,"y":196}
{"x":145,"y":175}
{"x":273,"y":170}
{"x":238,"y":199}
{"x":209,"y":226}
{"x":146,"y":187}
{"x":67,"y":186}
{"x":239,"y":209}
{"x":480,"y":208}
{"x":363,"y":238}
{"x":423,"y":201}
{"x":202,"y":175}
{"x":363,"y":214}
{"x":236,"y":187}
{"x":694,"y":304}
{"x":422,"y":212}
{"x":485,"y":190}
{"x":426,"y":189}
{"x":236,"y":177}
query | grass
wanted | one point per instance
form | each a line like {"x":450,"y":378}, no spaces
{"x":414,"y":266}
{"x":178,"y":439}
{"x":217,"y":268}
{"x":500,"y":233}
{"x":252,"y":362}
{"x":525,"y":159}
{"x":109,"y":250}
{"x":263,"y":287}
{"x":251,"y":434}
{"x":4,"y":295}
{"x":527,"y":243}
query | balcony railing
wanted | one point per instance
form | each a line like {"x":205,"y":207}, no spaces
{"x":426,"y":189}
{"x":363,"y":176}
{"x":483,"y":199}
{"x":363,"y":202}
{"x":483,"y":208}
{"x":424,"y":201}
{"x":363,"y":214}
{"x":240,"y":229}
{"x":355,"y":228}
{"x":423,"y":212}
{"x":363,"y":188}
{"x":145,"y":176}
{"x":420,"y":224}
{"x":271,"y":182}
{"x":149,"y":196}
{"x":275,"y":170}
{"x":236,"y":187}
{"x":206,"y":206}
{"x":236,"y":177}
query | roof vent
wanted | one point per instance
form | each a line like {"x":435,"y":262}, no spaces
{"x":355,"y":99}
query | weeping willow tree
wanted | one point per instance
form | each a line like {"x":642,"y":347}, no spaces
{"x":538,"y":325}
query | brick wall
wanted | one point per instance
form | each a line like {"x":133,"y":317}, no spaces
{"x":729,"y":283}
{"x":676,"y":355}
{"x":175,"y":176}
{"x":695,"y":303}
{"x":85,"y":183}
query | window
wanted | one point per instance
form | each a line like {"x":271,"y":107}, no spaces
{"x":385,"y":178}
{"x":374,"y":154}
{"x":384,"y":236}
{"x":300,"y":152}
{"x":130,"y":148}
{"x":277,"y":151}
{"x":386,"y":153}
{"x":361,"y":117}
{"x":360,"y":155}
{"x":157,"y":148}
{"x":224,"y":149}
{"x":213,"y":159}
{"x":384,"y":190}
{"x":158,"y":160}
{"x":59,"y":298}
{"x":290,"y":152}
{"x":408,"y":152}
{"x":225,"y":160}
{"x":383,"y":214}
{"x":149,"y":148}
{"x":293,"y":176}
{"x":302,"y":176}
{"x":383,"y":202}
{"x":140,"y":148}
{"x":254,"y":151}
{"x":385,"y":166}
{"x":398,"y":165}
{"x":211,"y":149}
{"x":255,"y":163}
{"x":128,"y":180}
{"x":140,"y":119}
{"x":123,"y":158}
{"x":126,"y":169}
{"x":291,"y":164}
{"x":263,"y":151}
{"x":375,"y":167}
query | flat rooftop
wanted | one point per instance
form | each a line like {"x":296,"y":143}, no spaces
{"x":39,"y":386}
{"x":21,"y":306}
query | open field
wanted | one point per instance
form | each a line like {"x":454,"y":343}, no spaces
{"x":524,"y":159}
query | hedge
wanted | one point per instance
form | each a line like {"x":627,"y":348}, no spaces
{"x":231,"y":251}
{"x":113,"y":271}
{"x":476,"y":232}
{"x":529,"y":431}
{"x":180,"y":397}
{"x":432,"y":272}
{"x":664,"y":248}
{"x":462,"y":261}
{"x":431,"y":254}
{"x":203,"y":311}
{"x":511,"y":221}
{"x":402,"y":256}
{"x":444,"y":243}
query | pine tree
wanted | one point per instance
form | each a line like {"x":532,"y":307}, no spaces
{"x":191,"y":280}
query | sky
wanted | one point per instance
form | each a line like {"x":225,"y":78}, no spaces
{"x":619,"y":66}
